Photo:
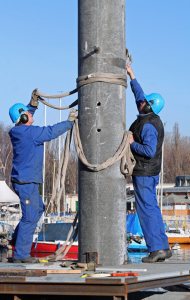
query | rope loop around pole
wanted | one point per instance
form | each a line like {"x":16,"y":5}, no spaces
{"x":82,"y":80}
{"x":123,"y":152}
{"x":119,"y":79}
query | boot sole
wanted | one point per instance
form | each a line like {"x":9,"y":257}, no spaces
{"x":160,"y":258}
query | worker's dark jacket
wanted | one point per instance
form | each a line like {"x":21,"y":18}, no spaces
{"x":147,"y":166}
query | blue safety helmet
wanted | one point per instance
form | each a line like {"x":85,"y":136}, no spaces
{"x":155,"y":101}
{"x":16,"y":111}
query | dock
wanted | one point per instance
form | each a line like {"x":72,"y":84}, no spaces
{"x":51,"y":281}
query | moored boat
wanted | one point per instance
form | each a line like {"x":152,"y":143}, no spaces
{"x":44,"y":248}
{"x":176,"y":246}
{"x":51,"y":237}
{"x":178,"y":236}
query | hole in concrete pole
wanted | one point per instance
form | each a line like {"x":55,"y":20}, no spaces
{"x":98,"y":130}
{"x":98,"y":103}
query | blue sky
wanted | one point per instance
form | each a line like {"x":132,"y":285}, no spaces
{"x":39,"y":50}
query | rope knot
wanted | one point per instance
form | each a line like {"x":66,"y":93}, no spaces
{"x":92,"y":75}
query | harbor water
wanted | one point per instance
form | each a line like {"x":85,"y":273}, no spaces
{"x":182,"y":254}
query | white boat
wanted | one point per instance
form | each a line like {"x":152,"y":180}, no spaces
{"x":10,"y":213}
{"x":178,"y":236}
{"x":176,"y":246}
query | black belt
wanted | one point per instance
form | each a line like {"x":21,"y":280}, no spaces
{"x":19,"y":182}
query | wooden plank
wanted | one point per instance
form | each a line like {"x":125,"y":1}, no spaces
{"x":12,"y":279}
{"x":22,"y":272}
{"x":63,"y":271}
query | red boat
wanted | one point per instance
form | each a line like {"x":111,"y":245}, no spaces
{"x":50,"y":239}
{"x":42,"y":249}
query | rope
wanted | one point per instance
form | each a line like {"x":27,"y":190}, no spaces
{"x":57,"y":107}
{"x":128,"y":56}
{"x":123,"y":151}
{"x":127,"y":164}
{"x":56,"y":255}
{"x":119,"y":79}
{"x":62,"y":170}
{"x":38,"y":93}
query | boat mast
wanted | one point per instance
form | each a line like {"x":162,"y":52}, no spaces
{"x":44,"y":161}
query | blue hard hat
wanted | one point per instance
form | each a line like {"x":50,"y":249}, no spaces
{"x":155,"y":101}
{"x":16,"y":111}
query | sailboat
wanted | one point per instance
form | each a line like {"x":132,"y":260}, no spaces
{"x":178,"y":235}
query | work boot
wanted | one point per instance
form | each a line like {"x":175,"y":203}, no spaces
{"x":28,"y":260}
{"x":157,"y":256}
{"x":169,"y":254}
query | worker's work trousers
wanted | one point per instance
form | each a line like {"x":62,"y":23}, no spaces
{"x":32,"y":209}
{"x":149,"y":212}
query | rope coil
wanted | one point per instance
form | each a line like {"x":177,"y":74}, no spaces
{"x":123,"y":152}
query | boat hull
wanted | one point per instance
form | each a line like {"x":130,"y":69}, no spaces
{"x":178,"y":239}
{"x":42,"y":249}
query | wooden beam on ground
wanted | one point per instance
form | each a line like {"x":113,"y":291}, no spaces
{"x":63,"y":271}
{"x":19,"y":272}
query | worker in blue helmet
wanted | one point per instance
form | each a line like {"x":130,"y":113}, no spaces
{"x":28,"y":146}
{"x":146,"y":145}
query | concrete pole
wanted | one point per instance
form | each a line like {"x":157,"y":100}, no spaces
{"x":102,"y":109}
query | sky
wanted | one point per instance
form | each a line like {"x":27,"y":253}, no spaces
{"x":39,"y":49}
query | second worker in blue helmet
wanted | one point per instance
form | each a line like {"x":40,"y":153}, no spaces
{"x":28,"y":147}
{"x":146,"y":145}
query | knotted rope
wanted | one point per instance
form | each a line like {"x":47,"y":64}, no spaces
{"x":127,"y":164}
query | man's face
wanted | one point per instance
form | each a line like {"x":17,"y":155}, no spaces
{"x":30,"y":118}
{"x":142,"y":106}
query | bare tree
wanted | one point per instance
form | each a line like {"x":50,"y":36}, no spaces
{"x":176,"y":155}
{"x":176,"y":160}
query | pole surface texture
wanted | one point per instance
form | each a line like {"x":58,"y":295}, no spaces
{"x":102,"y":109}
